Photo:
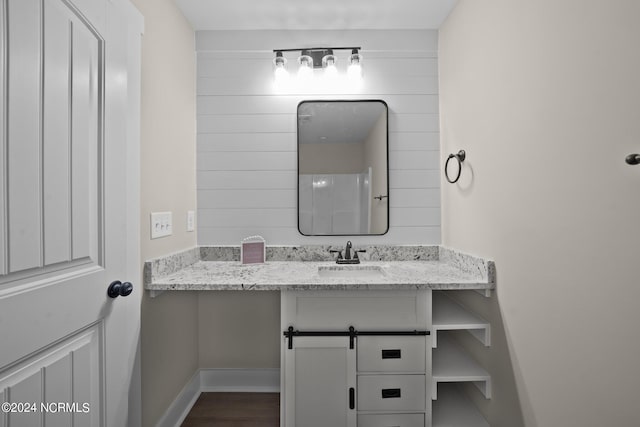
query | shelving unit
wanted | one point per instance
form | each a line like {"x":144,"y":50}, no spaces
{"x":449,"y":315}
{"x":452,"y":364}
{"x":454,"y":409}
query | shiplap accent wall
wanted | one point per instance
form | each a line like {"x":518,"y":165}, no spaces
{"x":246,"y":155}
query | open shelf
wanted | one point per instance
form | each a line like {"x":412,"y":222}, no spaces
{"x":452,"y":364}
{"x":454,"y":409}
{"x":449,"y":315}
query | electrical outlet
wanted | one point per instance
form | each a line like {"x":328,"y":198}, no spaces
{"x":161,"y":224}
{"x":191,"y":221}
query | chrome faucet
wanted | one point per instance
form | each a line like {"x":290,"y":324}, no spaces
{"x":347,"y":258}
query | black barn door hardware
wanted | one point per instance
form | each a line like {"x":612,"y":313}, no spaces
{"x":351,"y":333}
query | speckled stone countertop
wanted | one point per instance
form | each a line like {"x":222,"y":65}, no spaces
{"x":297,"y":268}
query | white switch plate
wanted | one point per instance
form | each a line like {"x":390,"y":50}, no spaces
{"x":191,"y":221}
{"x":161,"y":224}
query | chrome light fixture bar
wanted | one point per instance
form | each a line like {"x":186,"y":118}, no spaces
{"x":318,"y":57}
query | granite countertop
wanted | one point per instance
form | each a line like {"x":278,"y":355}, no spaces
{"x":210,"y":268}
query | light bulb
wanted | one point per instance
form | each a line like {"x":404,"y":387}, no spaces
{"x":305,"y":72}
{"x":331,"y":72}
{"x":281,"y":75}
{"x":329,"y":63}
{"x":354,"y":71}
{"x":280,"y":72}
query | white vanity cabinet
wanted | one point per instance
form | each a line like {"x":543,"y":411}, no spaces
{"x":377,"y":374}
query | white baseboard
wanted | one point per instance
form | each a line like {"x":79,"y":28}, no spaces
{"x":182,"y":404}
{"x":240,"y":380}
{"x":219,"y":380}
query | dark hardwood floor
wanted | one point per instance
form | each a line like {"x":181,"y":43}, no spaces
{"x":235,"y":410}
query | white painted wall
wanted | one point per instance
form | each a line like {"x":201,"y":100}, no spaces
{"x":247,"y":177}
{"x":545,"y":98}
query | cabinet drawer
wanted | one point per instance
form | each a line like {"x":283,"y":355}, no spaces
{"x":372,"y":309}
{"x":391,"y":392}
{"x":391,"y":354}
{"x":391,"y":420}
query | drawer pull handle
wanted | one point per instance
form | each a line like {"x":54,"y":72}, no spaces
{"x":352,"y":398}
{"x":390,"y":393}
{"x":392,"y":354}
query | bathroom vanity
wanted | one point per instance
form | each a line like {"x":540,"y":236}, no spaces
{"x":360,"y":343}
{"x":356,"y":357}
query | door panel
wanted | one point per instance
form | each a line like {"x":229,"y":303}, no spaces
{"x":23,"y":202}
{"x":26,"y":391}
{"x":318,"y":375}
{"x":86,"y":150}
{"x":67,"y":373}
{"x":3,"y":143}
{"x":67,"y":123}
{"x":57,"y":135}
{"x":56,"y":389}
{"x":3,"y":417}
{"x":54,"y":144}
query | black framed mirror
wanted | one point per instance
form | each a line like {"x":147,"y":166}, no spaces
{"x":343,"y":167}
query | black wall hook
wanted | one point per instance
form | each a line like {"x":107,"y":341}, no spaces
{"x":460,"y":156}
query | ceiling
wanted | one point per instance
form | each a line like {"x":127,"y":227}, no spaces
{"x":315,"y":14}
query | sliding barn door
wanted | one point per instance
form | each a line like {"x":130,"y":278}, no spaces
{"x":67,"y":121}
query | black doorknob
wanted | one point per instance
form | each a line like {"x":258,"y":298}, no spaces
{"x":633,"y":159}
{"x":118,"y":289}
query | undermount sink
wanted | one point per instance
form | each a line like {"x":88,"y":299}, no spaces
{"x":351,"y":271}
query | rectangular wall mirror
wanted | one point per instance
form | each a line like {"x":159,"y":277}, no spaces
{"x":343,"y":168}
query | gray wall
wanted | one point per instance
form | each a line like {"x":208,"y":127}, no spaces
{"x":544,"y":96}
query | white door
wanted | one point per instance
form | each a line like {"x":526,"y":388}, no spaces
{"x":68,"y":204}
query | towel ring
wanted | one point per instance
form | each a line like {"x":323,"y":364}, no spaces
{"x":460,"y":156}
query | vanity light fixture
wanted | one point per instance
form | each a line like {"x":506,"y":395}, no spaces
{"x":318,"y":57}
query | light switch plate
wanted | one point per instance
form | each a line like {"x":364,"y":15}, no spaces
{"x":161,"y":224}
{"x":191,"y":221}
